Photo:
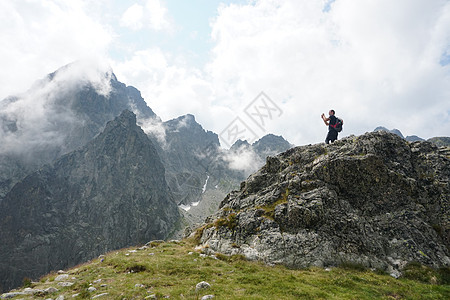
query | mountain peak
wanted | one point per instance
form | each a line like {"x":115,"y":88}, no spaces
{"x":125,"y":119}
{"x":109,"y":194}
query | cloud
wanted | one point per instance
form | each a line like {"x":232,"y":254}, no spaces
{"x":41,"y":36}
{"x":155,"y":128}
{"x":243,"y":159}
{"x":169,"y":86}
{"x":375,"y":63}
{"x":39,"y":120}
{"x":133,"y":17}
{"x":153,"y":15}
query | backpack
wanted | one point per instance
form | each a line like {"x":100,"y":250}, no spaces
{"x":338,"y":125}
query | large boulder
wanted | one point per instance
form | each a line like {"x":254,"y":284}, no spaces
{"x":375,"y":200}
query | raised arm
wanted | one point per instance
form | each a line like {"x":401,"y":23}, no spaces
{"x":325,"y":120}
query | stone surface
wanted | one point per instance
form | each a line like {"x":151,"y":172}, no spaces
{"x":62,"y":277}
{"x":374,"y":200}
{"x":202,"y":286}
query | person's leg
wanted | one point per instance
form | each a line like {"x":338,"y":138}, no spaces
{"x":328,"y":138}
{"x":334,"y":135}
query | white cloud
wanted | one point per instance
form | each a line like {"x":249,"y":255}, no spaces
{"x":375,"y":63}
{"x":133,"y":17}
{"x":243,"y":159}
{"x":39,"y":37}
{"x":170,"y":87}
{"x":42,"y":116}
{"x":153,"y":15}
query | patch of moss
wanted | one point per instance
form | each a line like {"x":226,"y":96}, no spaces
{"x":230,"y":258}
{"x":196,"y":239}
{"x":230,"y":222}
{"x":269,"y":210}
{"x":26,"y":283}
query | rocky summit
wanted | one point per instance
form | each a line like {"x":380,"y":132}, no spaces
{"x":375,"y":200}
{"x":107,"y":195}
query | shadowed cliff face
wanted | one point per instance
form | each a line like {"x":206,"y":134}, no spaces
{"x":59,"y":114}
{"x":375,"y":199}
{"x":109,"y":194}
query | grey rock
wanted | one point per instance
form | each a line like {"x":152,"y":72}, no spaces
{"x":65,"y":283}
{"x":11,"y":295}
{"x":91,"y":289}
{"x":100,"y":295}
{"x":30,"y":291}
{"x":60,"y":297}
{"x":62,"y":277}
{"x":374,"y":200}
{"x":50,"y":290}
{"x":206,"y":297}
{"x":202,"y":286}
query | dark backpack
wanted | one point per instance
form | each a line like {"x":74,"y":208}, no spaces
{"x":338,"y":125}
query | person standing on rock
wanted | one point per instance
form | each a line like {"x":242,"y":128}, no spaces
{"x":330,"y":121}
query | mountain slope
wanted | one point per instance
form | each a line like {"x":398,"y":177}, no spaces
{"x":109,"y":194}
{"x":375,"y":200}
{"x":59,"y":114}
{"x":176,"y":270}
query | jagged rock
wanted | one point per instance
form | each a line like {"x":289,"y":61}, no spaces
{"x":374,"y":200}
{"x":107,"y":195}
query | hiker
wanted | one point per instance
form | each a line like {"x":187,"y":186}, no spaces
{"x":331,"y":122}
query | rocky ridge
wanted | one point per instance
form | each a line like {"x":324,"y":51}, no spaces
{"x":375,"y":200}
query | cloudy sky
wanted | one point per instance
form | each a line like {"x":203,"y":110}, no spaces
{"x":250,"y":67}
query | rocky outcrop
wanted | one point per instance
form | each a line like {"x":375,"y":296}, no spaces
{"x":375,"y":200}
{"x":109,"y":194}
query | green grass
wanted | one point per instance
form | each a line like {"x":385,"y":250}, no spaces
{"x":174,"y":269}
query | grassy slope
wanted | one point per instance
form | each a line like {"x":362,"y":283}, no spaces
{"x":173,"y":269}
